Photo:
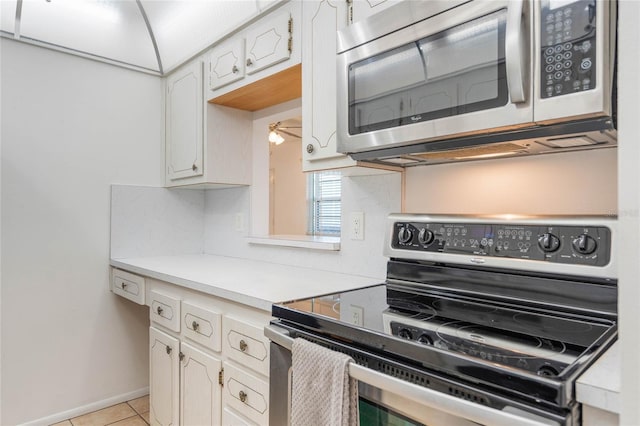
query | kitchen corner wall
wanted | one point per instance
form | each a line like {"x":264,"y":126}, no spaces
{"x":70,"y":128}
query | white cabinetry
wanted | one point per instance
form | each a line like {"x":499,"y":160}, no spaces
{"x":199,"y":387}
{"x":209,"y":367}
{"x":268,"y":46}
{"x":184,"y":129}
{"x":321,"y":19}
{"x":217,"y":154}
{"x":164,"y":378}
{"x":364,"y":8}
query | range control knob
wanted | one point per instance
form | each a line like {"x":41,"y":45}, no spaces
{"x":405,"y":334}
{"x":425,"y":236}
{"x":585,"y":244}
{"x":548,"y":242}
{"x":405,"y":235}
{"x":425,"y":339}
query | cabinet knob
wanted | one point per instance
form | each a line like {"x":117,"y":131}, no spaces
{"x":243,"y":345}
{"x":242,"y":396}
{"x":169,"y":349}
{"x":249,"y":62}
{"x":124,"y":286}
{"x":181,"y":356}
{"x":195,"y":326}
{"x":235,"y":69}
{"x":194,"y":167}
{"x":159,"y":310}
{"x":310,"y":148}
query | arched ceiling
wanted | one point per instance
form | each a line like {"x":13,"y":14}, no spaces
{"x":154,"y":36}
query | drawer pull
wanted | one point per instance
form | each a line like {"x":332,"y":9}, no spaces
{"x":243,"y":396}
{"x":195,"y":326}
{"x":124,"y":286}
{"x":243,"y":346}
{"x":169,"y":349}
{"x":159,"y":310}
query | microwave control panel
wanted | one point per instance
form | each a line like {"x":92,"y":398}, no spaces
{"x":578,"y":245}
{"x":568,"y":40}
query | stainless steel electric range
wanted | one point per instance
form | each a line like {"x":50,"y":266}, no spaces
{"x":482,"y":320}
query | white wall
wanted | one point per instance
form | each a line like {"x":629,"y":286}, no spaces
{"x":376,"y":196}
{"x":629,"y":221}
{"x":573,"y":183}
{"x":70,"y":128}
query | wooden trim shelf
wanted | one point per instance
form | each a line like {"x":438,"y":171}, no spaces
{"x":275,"y":89}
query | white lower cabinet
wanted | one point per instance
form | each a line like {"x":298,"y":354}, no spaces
{"x":164,"y":382}
{"x":246,"y":393}
{"x":183,"y":383}
{"x":206,"y":368}
{"x":199,"y":387}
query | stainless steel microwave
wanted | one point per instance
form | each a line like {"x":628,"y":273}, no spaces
{"x":449,"y":80}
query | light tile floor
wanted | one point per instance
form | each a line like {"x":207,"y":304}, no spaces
{"x":130,"y":413}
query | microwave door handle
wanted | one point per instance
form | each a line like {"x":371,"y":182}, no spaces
{"x":515,"y":50}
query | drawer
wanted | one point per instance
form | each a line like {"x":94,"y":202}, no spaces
{"x":202,"y":326}
{"x":246,"y":394}
{"x":165,"y":310}
{"x":229,"y":418}
{"x":246,"y":344}
{"x":128,"y":285}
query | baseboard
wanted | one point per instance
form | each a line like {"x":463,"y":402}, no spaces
{"x":94,"y":406}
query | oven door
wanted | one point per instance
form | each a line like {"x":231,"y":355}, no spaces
{"x":463,"y":70}
{"x":386,"y":400}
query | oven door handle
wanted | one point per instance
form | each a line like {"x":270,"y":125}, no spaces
{"x":437,"y":400}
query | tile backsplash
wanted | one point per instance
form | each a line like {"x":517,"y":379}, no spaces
{"x":148,"y":221}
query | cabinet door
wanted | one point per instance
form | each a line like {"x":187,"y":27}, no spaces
{"x":321,"y":20}
{"x":361,"y":9}
{"x":200,"y":392}
{"x":226,"y":63}
{"x":269,"y":44}
{"x":184,"y":116}
{"x":164,"y":382}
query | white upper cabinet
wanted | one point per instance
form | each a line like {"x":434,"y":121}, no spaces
{"x":216,"y":154}
{"x":269,"y":43}
{"x":184,"y":129}
{"x":321,"y":20}
{"x":226,"y":64}
{"x":266,"y":47}
{"x":360,"y":9}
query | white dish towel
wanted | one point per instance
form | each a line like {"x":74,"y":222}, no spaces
{"x":322,"y":393}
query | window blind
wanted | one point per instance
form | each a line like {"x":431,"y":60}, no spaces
{"x":325,"y":190}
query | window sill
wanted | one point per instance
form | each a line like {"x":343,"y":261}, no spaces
{"x":300,"y":241}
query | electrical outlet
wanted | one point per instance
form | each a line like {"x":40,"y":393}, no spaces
{"x":357,"y":225}
{"x":357,"y":315}
{"x":239,"y":222}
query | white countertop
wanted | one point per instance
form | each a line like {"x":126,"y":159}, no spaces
{"x":250,"y":282}
{"x":599,"y":386}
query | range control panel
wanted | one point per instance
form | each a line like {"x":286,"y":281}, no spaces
{"x":580,"y":245}
{"x":568,"y":43}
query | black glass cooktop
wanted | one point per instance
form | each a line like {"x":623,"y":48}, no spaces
{"x":528,"y":348}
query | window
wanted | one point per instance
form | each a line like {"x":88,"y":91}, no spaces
{"x":324,"y":193}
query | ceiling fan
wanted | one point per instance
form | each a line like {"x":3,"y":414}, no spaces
{"x":276,"y":128}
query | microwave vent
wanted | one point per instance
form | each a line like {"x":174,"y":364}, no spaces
{"x":568,"y":142}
